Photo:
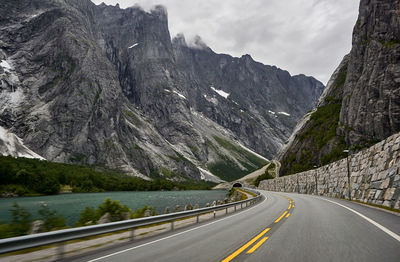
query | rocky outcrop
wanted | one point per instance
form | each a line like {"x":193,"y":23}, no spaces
{"x":361,"y":104}
{"x":101,"y":85}
{"x":370,"y":176}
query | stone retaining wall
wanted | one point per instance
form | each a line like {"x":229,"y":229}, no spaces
{"x":374,"y":176}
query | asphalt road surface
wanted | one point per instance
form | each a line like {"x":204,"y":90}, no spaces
{"x":284,"y":227}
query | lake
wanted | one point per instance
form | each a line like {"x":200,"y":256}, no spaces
{"x":71,"y":205}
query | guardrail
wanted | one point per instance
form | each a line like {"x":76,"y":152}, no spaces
{"x":59,"y":236}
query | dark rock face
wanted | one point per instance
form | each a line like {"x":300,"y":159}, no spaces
{"x":363,"y":94}
{"x":91,"y":84}
{"x":372,"y":90}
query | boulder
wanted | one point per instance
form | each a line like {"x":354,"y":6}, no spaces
{"x":36,"y":227}
{"x":106,"y":218}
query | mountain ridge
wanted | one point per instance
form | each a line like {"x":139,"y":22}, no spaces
{"x":104,"y":85}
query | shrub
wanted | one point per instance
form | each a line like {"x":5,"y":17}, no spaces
{"x":51,"y":220}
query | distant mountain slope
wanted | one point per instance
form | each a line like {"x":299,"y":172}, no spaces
{"x":101,"y":85}
{"x":361,"y":104}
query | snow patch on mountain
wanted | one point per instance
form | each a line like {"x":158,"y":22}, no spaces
{"x":12,"y":145}
{"x":132,"y":46}
{"x":179,"y":94}
{"x":208,"y":176}
{"x":251,"y":151}
{"x":284,"y":113}
{"x":5,"y":65}
{"x":220,"y":92}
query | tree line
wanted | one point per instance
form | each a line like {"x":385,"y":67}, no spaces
{"x":27,"y":177}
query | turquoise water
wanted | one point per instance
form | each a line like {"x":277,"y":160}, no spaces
{"x":71,"y":205}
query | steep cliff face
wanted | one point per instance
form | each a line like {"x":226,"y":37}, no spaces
{"x":101,"y":85}
{"x":260,"y":104}
{"x":361,"y":104}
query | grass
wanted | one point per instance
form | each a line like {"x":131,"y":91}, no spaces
{"x":226,"y":168}
{"x":132,"y":117}
{"x":167,"y":173}
{"x":391,"y":43}
{"x":247,"y":192}
{"x":268,"y":174}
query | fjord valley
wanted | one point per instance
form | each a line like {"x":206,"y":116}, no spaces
{"x":99,"y":101}
{"x":103,"y":86}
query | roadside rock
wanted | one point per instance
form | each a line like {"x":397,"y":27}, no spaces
{"x":106,"y":218}
{"x":36,"y":227}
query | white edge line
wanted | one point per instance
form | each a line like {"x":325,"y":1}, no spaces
{"x":177,"y":234}
{"x":384,"y":229}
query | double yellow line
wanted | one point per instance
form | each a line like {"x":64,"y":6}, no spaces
{"x":240,"y":250}
{"x":265,"y":238}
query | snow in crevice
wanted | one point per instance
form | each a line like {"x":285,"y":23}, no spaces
{"x":284,"y":113}
{"x":5,"y":65}
{"x":132,"y":46}
{"x":12,"y":145}
{"x":166,"y":90}
{"x":271,"y":112}
{"x":220,"y":92}
{"x":179,"y":94}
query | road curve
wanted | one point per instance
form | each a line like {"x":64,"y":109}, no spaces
{"x":284,"y":227}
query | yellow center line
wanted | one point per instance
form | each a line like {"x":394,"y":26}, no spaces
{"x":290,"y":206}
{"x":240,"y":250}
{"x":288,"y":214}
{"x":257,"y":245}
{"x":276,"y":221}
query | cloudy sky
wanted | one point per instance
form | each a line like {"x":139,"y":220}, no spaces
{"x":301,"y":36}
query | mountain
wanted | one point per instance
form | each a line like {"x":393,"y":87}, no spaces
{"x":99,"y":85}
{"x":361,"y":103}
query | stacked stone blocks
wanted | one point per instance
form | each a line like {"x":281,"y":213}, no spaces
{"x":374,"y":176}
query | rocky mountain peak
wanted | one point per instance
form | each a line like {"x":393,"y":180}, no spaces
{"x":179,"y":40}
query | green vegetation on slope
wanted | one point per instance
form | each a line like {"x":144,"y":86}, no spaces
{"x":23,"y":176}
{"x":268,"y":174}
{"x":320,"y":134}
{"x":226,"y":168}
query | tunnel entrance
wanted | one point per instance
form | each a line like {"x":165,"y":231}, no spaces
{"x":237,"y":185}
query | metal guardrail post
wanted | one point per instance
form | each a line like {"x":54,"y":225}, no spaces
{"x":132,"y":236}
{"x":226,"y":210}
{"x":172,"y":225}
{"x":197,"y":219}
{"x":215,"y":213}
{"x":235,"y":208}
{"x":60,"y":251}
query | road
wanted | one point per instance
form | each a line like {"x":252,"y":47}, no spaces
{"x":317,"y":229}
